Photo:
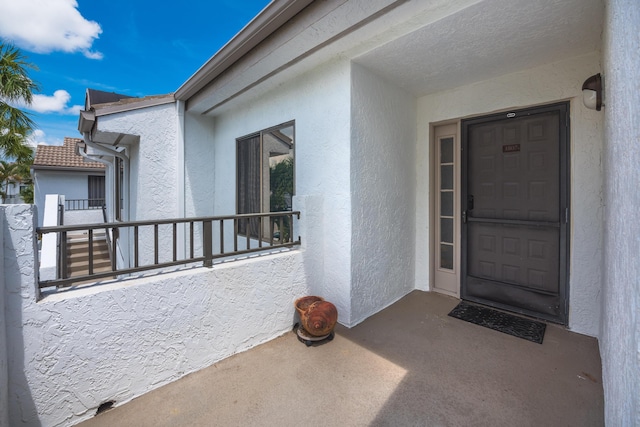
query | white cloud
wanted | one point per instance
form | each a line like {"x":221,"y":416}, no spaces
{"x":57,"y":103}
{"x":46,"y":26}
{"x":38,"y":137}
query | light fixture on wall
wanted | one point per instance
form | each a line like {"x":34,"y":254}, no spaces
{"x":592,"y":92}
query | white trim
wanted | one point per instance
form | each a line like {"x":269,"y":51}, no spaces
{"x":272,"y":17}
{"x":131,"y":104}
{"x":446,"y":281}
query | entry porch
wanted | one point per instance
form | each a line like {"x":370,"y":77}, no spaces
{"x":410,"y":364}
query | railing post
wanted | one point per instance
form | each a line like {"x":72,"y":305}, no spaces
{"x":91,"y":251}
{"x":63,"y":255}
{"x":114,"y":249}
{"x":207,"y":243}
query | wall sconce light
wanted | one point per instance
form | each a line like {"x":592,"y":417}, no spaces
{"x":592,"y":92}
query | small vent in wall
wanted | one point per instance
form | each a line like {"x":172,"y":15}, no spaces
{"x":105,"y":407}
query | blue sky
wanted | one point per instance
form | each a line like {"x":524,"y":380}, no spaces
{"x":133,"y":47}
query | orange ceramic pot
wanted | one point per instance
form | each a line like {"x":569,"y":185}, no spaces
{"x":317,"y":316}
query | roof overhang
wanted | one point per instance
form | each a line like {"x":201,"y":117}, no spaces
{"x":422,"y":47}
{"x":131,"y":104}
{"x":97,"y":171}
{"x":88,"y":119}
{"x":272,"y":17}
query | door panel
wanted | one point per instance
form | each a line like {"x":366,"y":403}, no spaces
{"x":514,"y":188}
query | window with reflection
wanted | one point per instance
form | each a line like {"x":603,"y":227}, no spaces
{"x":265,"y":174}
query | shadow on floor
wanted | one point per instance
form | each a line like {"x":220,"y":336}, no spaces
{"x":409,"y":365}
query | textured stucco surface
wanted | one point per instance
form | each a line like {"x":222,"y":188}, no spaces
{"x":383,"y":129}
{"x":4,"y":370}
{"x":620,"y":340}
{"x":319,"y":103}
{"x":70,"y":352}
{"x":20,"y":249}
{"x":554,"y":82}
{"x":200,"y":189}
{"x":153,"y":166}
{"x":153,"y":191}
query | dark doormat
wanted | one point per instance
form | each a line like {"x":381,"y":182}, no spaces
{"x":499,"y":321}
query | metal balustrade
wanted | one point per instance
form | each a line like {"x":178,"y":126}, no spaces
{"x":150,"y":245}
{"x":83,"y":204}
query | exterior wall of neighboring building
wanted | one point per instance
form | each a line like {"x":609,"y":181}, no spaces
{"x":72,"y":351}
{"x":545,"y":84}
{"x":620,"y":336}
{"x":72,"y":185}
{"x":383,"y":193}
{"x":13,"y":194}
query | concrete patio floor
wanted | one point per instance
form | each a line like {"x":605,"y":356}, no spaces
{"x":409,"y":365}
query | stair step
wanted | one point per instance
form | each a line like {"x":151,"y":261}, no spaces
{"x":84,"y":264}
{"x":79,"y":236}
{"x":83,"y":271}
{"x":98,"y":253}
{"x":84,"y":247}
{"x":78,"y":253}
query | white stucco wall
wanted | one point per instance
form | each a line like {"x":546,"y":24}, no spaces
{"x":70,"y":352}
{"x":19,"y":271}
{"x":87,"y":216}
{"x":383,"y":138}
{"x":154,"y":180}
{"x":620,"y":340}
{"x":200,"y":184}
{"x":319,"y":103}
{"x":4,"y":371}
{"x":545,"y":84}
{"x":153,"y":167}
{"x":72,"y":185}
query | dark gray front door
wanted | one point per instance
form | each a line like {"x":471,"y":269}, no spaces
{"x":514,"y":196}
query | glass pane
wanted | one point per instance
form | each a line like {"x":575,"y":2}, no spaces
{"x":446,"y":203}
{"x":446,"y":177}
{"x":278,"y":145}
{"x":446,"y":230}
{"x":446,"y":257}
{"x":446,"y":150}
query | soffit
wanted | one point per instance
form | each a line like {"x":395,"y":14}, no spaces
{"x":312,"y":30}
{"x":421,"y":46}
{"x":487,"y":39}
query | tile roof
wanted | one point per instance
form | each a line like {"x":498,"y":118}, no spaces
{"x":51,"y":156}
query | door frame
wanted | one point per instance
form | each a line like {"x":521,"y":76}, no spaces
{"x":565,"y":214}
{"x":444,"y":129}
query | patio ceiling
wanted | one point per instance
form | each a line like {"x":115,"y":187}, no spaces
{"x":421,"y":46}
{"x":489,"y":38}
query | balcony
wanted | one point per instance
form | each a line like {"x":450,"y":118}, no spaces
{"x":90,"y":252}
{"x":410,"y":364}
